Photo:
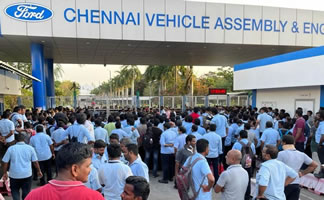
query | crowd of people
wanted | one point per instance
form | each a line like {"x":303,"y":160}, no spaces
{"x":95,"y":156}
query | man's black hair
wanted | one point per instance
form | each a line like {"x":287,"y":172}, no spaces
{"x":243,"y":134}
{"x":189,"y":138}
{"x":272,"y":151}
{"x":299,"y":112}
{"x":141,"y":187}
{"x":212,"y":127}
{"x":247,"y":126}
{"x":197,"y":121}
{"x":99,"y":144}
{"x":156,"y":122}
{"x":51,"y":120}
{"x":214,"y":111}
{"x":194,"y":128}
{"x":202,"y":145}
{"x":118,"y":125}
{"x":182,"y":129}
{"x":60,"y":124}
{"x":98,"y":122}
{"x":39,"y":128}
{"x":72,"y":153}
{"x":81,"y":118}
{"x":288,"y":139}
{"x":196,"y":109}
{"x":143,"y":120}
{"x":167,"y":125}
{"x":19,"y":137}
{"x":132,"y":148}
{"x":178,"y":123}
{"x":114,"y":136}
{"x":114,"y":151}
{"x":269,"y":124}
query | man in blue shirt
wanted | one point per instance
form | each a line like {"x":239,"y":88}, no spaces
{"x":270,"y":136}
{"x":100,"y":133}
{"x":273,"y":175}
{"x":138,"y":167}
{"x":167,"y":153}
{"x":78,"y":132}
{"x":7,"y":130}
{"x":44,"y":148}
{"x":194,"y":132}
{"x":119,"y":131}
{"x":262,"y":119}
{"x":132,"y":132}
{"x":201,"y":130}
{"x":98,"y":158}
{"x":215,"y":149}
{"x":59,"y":139}
{"x":20,"y":157}
{"x":201,"y":174}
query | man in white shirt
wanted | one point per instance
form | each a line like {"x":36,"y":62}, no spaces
{"x":234,"y":181}
{"x":294,"y":159}
{"x":113,"y":175}
{"x":138,"y":167}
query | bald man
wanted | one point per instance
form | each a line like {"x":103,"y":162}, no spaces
{"x":234,"y":181}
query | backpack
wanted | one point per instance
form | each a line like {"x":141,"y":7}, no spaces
{"x":307,"y":129}
{"x":247,"y":155}
{"x":148,"y":139}
{"x":185,"y":184}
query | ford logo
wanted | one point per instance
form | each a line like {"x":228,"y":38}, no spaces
{"x":28,"y":12}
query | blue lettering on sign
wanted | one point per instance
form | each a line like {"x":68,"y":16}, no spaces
{"x":29,"y":12}
{"x":168,"y":20}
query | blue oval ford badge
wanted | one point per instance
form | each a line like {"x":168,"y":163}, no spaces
{"x":28,"y":12}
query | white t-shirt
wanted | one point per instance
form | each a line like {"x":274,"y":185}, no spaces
{"x":113,"y":175}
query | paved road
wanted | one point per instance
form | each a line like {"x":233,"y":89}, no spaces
{"x":166,"y":191}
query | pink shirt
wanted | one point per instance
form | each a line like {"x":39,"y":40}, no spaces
{"x":64,"y":190}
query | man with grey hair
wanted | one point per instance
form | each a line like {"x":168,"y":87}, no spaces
{"x":234,"y":181}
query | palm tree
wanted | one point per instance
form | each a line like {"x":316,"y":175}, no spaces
{"x":131,"y":73}
{"x":159,"y":73}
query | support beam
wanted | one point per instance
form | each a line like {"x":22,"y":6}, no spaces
{"x":49,"y":76}
{"x":254,"y":98}
{"x":39,"y":90}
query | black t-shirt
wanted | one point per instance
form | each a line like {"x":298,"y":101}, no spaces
{"x":156,"y":137}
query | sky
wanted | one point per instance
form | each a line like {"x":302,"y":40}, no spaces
{"x":90,"y":76}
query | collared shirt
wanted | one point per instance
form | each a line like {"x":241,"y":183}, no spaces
{"x":57,"y":190}
{"x":20,"y":156}
{"x":197,"y":135}
{"x":319,"y":132}
{"x":187,"y":126}
{"x":58,"y":136}
{"x":234,"y":181}
{"x":6,"y":126}
{"x":167,"y":137}
{"x":160,"y":126}
{"x":15,"y":117}
{"x":199,"y":172}
{"x":270,"y":136}
{"x":120,"y":132}
{"x":294,"y":159}
{"x":273,"y":174}
{"x":201,"y":130}
{"x":215,"y":144}
{"x":98,"y":161}
{"x":101,"y":134}
{"x":180,"y":141}
{"x":80,"y":132}
{"x":41,"y":142}
{"x":113,"y":175}
{"x":238,"y":145}
{"x":132,"y":134}
{"x":221,"y":124}
{"x":183,"y":154}
{"x":228,"y":139}
{"x":93,"y":179}
{"x":110,"y":127}
{"x":264,"y":118}
{"x":139,"y":168}
{"x":124,"y":123}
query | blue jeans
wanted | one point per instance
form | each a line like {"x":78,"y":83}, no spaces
{"x":17,"y":184}
{"x":148,"y":154}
